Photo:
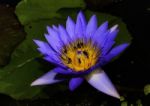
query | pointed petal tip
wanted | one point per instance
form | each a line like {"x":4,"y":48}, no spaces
{"x":114,"y":28}
{"x":106,"y":23}
{"x":36,"y":82}
{"x":69,"y":19}
{"x":35,"y":41}
{"x":124,"y":46}
{"x":103,"y":26}
{"x":114,"y":94}
{"x":99,"y":80}
{"x":55,"y":27}
{"x":48,"y":78}
{"x":117,"y":96}
{"x":46,"y":36}
{"x":48,"y":27}
{"x":38,"y":42}
{"x":60,"y":26}
{"x":41,"y":81}
{"x":94,"y":17}
{"x":80,"y":13}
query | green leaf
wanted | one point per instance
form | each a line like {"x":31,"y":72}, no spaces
{"x":33,"y":10}
{"x":16,"y":77}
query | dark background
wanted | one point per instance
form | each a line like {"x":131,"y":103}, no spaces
{"x":132,"y":68}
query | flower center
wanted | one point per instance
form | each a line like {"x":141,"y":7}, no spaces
{"x":80,"y":56}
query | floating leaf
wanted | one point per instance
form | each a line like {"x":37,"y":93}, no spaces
{"x":33,"y":10}
{"x":16,"y":77}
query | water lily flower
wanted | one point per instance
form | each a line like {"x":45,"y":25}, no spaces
{"x":79,"y":51}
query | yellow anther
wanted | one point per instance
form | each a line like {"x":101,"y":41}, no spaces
{"x":80,"y":56}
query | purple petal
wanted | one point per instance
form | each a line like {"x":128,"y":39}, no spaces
{"x":53,"y":36}
{"x":44,"y":48}
{"x":55,"y":28}
{"x":78,"y":29}
{"x":113,"y":32}
{"x":70,"y":27}
{"x":109,"y":42}
{"x":115,"y":51}
{"x":74,"y":83}
{"x":54,"y":60}
{"x":63,"y":34}
{"x":99,"y":80}
{"x":91,"y":26}
{"x":48,"y":78}
{"x":81,"y":17}
{"x":101,"y":34}
{"x":64,"y":71}
{"x":113,"y":28}
{"x":107,"y":47}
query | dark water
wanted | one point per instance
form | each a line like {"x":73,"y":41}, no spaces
{"x":132,"y":68}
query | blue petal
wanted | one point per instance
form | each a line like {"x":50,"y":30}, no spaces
{"x":101,"y":34}
{"x":44,"y":48}
{"x":63,"y":34}
{"x":91,"y":26}
{"x":70,"y":27}
{"x":64,"y":71}
{"x":109,"y":40}
{"x":48,"y":78}
{"x":107,"y":47}
{"x":53,"y":39}
{"x":78,"y":29}
{"x":55,"y":28}
{"x":54,"y":59}
{"x":99,"y":80}
{"x":113,"y":32}
{"x":74,"y":83}
{"x":81,"y":17}
{"x":115,"y":51}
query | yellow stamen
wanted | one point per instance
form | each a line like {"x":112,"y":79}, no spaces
{"x":80,"y":56}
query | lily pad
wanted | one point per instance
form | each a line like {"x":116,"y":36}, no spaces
{"x":34,"y":10}
{"x":16,"y":77}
